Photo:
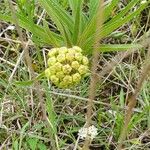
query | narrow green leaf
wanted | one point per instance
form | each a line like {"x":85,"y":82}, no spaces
{"x":93,"y":7}
{"x":88,"y":32}
{"x":67,"y":37}
{"x":123,"y":12}
{"x":24,"y":83}
{"x":118,"y":47}
{"x":51,"y":112}
{"x":58,"y":14}
{"x":15,"y":145}
{"x":30,"y":82}
{"x":51,"y":36}
{"x":73,"y":4}
{"x":36,"y":30}
{"x":108,"y":9}
{"x":5,"y":17}
{"x":106,"y":30}
{"x":32,"y":143}
{"x":22,"y":134}
{"x":42,"y":146}
{"x":78,"y":22}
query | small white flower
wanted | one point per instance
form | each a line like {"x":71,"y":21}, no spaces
{"x":90,"y":132}
{"x":83,"y":133}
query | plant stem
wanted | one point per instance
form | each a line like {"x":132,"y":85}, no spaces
{"x":133,"y":100}
{"x":31,"y":70}
{"x":93,"y":83}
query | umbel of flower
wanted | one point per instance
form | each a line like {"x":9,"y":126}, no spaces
{"x":66,"y":66}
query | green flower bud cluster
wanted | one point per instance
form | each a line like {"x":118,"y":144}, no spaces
{"x":66,"y":66}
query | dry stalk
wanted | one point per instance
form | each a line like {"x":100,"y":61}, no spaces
{"x":93,"y":83}
{"x":31,"y":70}
{"x":132,"y":101}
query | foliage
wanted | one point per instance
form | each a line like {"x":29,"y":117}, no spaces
{"x":76,"y":26}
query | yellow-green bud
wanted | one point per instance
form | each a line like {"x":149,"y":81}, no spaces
{"x":47,"y":73}
{"x":61,"y":57}
{"x":62,"y":85}
{"x":78,"y":56}
{"x":75,"y":64}
{"x":85,"y":60}
{"x":67,"y":79}
{"x":67,"y":69}
{"x":54,"y":79}
{"x":71,"y":50}
{"x":82,"y":69}
{"x":58,"y":66}
{"x":66,"y":66}
{"x":60,"y":75}
{"x":70,"y":56}
{"x":78,"y":49}
{"x":63,"y":50}
{"x":76,"y":77}
{"x":51,"y":61}
{"x":52,"y":52}
{"x":52,"y":70}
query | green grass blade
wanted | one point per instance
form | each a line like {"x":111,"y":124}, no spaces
{"x":23,"y":130}
{"x":6,"y":18}
{"x":51,"y":112}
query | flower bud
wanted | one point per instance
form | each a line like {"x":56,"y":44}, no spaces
{"x":67,"y":69}
{"x":70,"y":56}
{"x":67,"y":79}
{"x":66,"y":66}
{"x":76,"y":77}
{"x":78,"y":49}
{"x":85,"y":60}
{"x":82,"y":69}
{"x":61,"y":58}
{"x":54,"y":79}
{"x":58,"y":66}
{"x":52,"y":70}
{"x":75,"y":65}
{"x":63,"y":50}
{"x":71,"y":50}
{"x":51,"y":61}
{"x":78,"y":56}
{"x":60,"y":75}
{"x":47,"y":73}
{"x":62,"y":85}
{"x":52,"y":52}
